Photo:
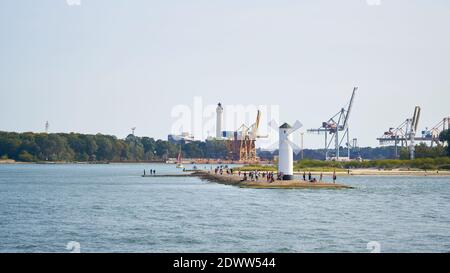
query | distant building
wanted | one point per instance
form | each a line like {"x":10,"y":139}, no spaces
{"x":219,"y":120}
{"x":180,"y":139}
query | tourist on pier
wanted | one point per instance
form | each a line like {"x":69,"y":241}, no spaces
{"x":334,"y":177}
{"x":321,"y":177}
{"x":245,"y":177}
{"x":154,"y":172}
{"x":239,"y":173}
{"x":309,"y":176}
{"x":144,"y":172}
{"x":304,"y":176}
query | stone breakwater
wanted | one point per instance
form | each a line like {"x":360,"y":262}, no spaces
{"x":236,"y":180}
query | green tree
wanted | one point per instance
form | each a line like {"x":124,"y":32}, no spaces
{"x":445,"y":137}
{"x":26,"y":157}
{"x":10,"y":144}
{"x":105,"y":147}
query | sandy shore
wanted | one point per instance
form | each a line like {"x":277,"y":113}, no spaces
{"x":263,"y":184}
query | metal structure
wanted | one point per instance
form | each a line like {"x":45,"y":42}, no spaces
{"x":242,"y":145}
{"x":432,"y":135}
{"x":404,"y":134}
{"x":334,"y":126}
{"x":133,"y":130}
{"x":47,"y":127}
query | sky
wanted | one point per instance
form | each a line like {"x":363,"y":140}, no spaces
{"x":105,"y":66}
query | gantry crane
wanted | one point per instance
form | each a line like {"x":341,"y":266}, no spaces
{"x":405,"y":134}
{"x":336,"y":124}
{"x":432,"y":135}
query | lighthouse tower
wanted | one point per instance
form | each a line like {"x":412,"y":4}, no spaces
{"x":286,"y":153}
{"x":219,"y":121}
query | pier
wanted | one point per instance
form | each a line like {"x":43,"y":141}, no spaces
{"x":166,"y":175}
{"x":236,"y":180}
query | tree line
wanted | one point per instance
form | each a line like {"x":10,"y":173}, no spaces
{"x":33,"y":147}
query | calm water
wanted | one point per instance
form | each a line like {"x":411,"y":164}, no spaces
{"x":110,"y":208}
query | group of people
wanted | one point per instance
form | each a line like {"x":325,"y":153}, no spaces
{"x":268,"y":176}
{"x":313,"y":179}
{"x":152,"y":172}
{"x":221,"y":169}
{"x":255,"y":175}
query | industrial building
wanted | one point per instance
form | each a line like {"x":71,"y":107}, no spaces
{"x":180,"y":139}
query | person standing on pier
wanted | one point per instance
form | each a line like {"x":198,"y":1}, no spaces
{"x":144,"y":172}
{"x":334,"y":177}
{"x":304,"y":176}
{"x":321,"y":177}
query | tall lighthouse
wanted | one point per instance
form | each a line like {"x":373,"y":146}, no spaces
{"x":219,"y":121}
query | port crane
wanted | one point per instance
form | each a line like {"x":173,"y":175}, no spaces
{"x":242,"y":146}
{"x":333,"y":127}
{"x":432,"y":135}
{"x":405,"y":134}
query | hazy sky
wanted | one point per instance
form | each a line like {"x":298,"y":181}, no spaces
{"x":108,"y":65}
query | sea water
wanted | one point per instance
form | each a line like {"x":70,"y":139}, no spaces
{"x":111,"y":208}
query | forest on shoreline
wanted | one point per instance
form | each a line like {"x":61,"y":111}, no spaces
{"x":75,"y":147}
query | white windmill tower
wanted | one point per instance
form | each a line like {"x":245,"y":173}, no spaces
{"x":286,"y":150}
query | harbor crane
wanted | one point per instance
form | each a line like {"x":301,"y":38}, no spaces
{"x":405,"y":134}
{"x":242,"y":146}
{"x":334,"y":126}
{"x":432,"y":135}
